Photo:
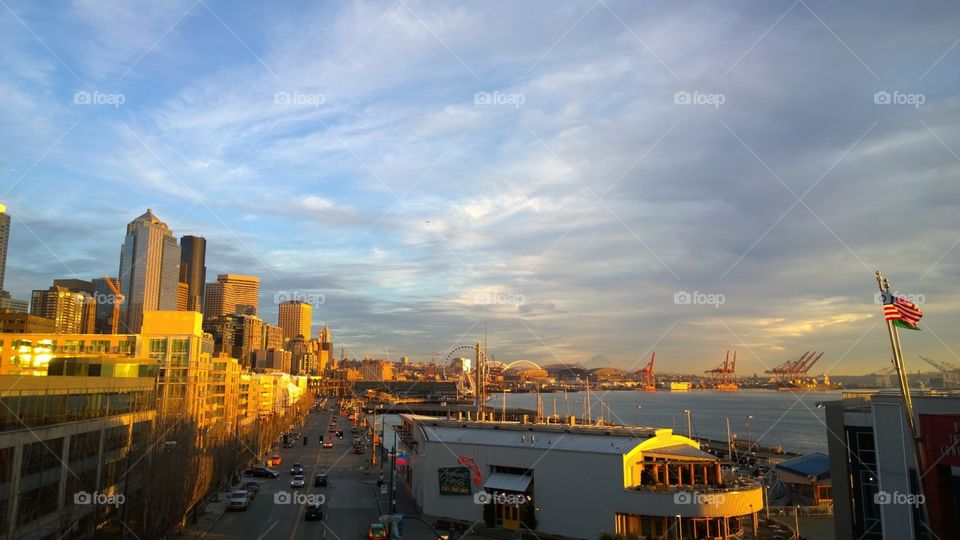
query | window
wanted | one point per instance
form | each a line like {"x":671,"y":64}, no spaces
{"x":180,"y":346}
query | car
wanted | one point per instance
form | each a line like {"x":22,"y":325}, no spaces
{"x":377,"y":531}
{"x":252,"y":487}
{"x":296,"y":468}
{"x":314,"y":512}
{"x":275,"y":460}
{"x":262,"y":472}
{"x":288,"y":444}
{"x":298,"y":481}
{"x":320,"y":480}
{"x":358,"y":449}
{"x":327,"y":444}
{"x":239,"y":500}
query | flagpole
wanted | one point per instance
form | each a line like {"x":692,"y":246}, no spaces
{"x":898,"y":364}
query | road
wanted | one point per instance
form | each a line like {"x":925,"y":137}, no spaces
{"x":350,"y":500}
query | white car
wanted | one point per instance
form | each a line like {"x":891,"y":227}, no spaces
{"x":298,"y":481}
{"x":239,"y":500}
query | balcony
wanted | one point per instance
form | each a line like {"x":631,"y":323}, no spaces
{"x":721,"y":500}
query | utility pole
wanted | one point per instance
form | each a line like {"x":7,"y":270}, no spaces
{"x":393,"y":465}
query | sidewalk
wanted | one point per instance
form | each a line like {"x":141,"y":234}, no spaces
{"x":206,"y":519}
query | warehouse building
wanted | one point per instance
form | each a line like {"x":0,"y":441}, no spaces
{"x":572,"y":481}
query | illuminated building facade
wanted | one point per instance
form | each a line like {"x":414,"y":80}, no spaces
{"x":65,"y":307}
{"x":295,"y":319}
{"x":149,"y":270}
{"x":231,"y":294}
{"x":4,"y":241}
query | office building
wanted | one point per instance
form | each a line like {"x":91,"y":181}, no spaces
{"x":231,"y":294}
{"x":376,"y":370}
{"x":193,"y":269}
{"x":149,"y":271}
{"x":66,"y":436}
{"x":4,"y":241}
{"x":572,"y":481}
{"x":12,"y":304}
{"x":273,"y":337}
{"x":273,"y":360}
{"x":295,"y":319}
{"x":88,"y":320}
{"x":103,"y":299}
{"x":15,"y":322}
{"x":324,"y":350}
{"x":872,"y":466}
{"x":66,"y":308}
{"x":239,"y":336}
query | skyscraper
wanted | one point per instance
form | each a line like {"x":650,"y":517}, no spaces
{"x":66,"y":308}
{"x":295,"y":319}
{"x":193,"y":269}
{"x":149,"y":270}
{"x":230,"y":293}
{"x":4,"y":239}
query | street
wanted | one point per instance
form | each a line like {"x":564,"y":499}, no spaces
{"x":350,"y":500}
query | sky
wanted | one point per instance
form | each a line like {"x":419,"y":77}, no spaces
{"x":580,"y":181}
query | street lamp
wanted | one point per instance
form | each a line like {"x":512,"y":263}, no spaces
{"x":689,"y":423}
{"x":638,"y":413}
{"x":749,"y":444}
{"x":679,"y":528}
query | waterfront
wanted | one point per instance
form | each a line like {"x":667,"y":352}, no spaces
{"x":784,"y":418}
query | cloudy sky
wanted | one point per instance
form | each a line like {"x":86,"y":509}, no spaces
{"x":557,"y":172}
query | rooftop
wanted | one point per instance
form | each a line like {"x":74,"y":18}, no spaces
{"x":815,"y":465}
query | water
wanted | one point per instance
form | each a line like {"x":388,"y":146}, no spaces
{"x":784,"y":418}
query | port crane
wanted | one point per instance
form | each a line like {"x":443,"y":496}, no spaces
{"x":947,"y":370}
{"x":645,"y":376}
{"x":117,"y":300}
{"x":794,"y":370}
{"x":725,"y":376}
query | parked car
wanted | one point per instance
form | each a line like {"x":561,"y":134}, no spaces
{"x":296,"y":468}
{"x":275,"y":460}
{"x":314,"y":512}
{"x":252,"y":487}
{"x":298,"y":481}
{"x":288,"y":444}
{"x":357,"y":449}
{"x":262,"y":472}
{"x":320,"y":480}
{"x":327,"y":444}
{"x":239,"y":500}
{"x":377,"y":531}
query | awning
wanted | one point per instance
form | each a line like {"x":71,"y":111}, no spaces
{"x":517,"y":483}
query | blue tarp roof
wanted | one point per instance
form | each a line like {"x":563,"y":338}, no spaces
{"x":815,"y":465}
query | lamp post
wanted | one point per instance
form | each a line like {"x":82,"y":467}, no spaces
{"x":393,"y":464}
{"x":796,"y":521}
{"x":638,"y":413}
{"x":689,"y":423}
{"x":749,"y":444}
{"x":679,"y":528}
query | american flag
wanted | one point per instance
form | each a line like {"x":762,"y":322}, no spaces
{"x":902,"y":310}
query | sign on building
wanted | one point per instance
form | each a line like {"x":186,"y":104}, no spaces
{"x":454,"y":480}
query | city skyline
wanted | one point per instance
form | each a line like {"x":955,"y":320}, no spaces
{"x":562,"y":188}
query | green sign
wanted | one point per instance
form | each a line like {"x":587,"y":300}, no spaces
{"x":454,"y":480}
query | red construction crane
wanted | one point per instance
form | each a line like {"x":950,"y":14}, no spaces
{"x":725,"y":376}
{"x":117,"y":300}
{"x":645,"y":376}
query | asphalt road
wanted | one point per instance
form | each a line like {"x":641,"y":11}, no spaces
{"x":350,"y":500}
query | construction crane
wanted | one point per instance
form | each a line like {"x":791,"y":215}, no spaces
{"x":794,"y":370}
{"x":645,"y":376}
{"x":947,"y":370}
{"x":882,"y":377}
{"x":117,"y":300}
{"x":725,"y":376}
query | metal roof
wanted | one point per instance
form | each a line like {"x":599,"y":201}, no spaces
{"x":815,"y":465}
{"x":681,"y":450}
{"x":507,"y":482}
{"x":545,"y":440}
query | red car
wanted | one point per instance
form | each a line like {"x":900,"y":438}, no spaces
{"x":327,"y":444}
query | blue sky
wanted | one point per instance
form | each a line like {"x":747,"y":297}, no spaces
{"x":554,"y":171}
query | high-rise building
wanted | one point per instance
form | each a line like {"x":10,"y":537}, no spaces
{"x":324,"y":350}
{"x":238,"y":336}
{"x":89,"y":313}
{"x":149,"y":271}
{"x":103,"y":298}
{"x":295,"y":319}
{"x":4,"y":239}
{"x":183,"y":297}
{"x":273,"y":337}
{"x":231,"y":294}
{"x":63,"y":306}
{"x":12,"y":304}
{"x":193,"y":270}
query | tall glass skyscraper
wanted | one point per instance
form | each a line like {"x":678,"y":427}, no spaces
{"x":4,"y":238}
{"x":193,"y":269}
{"x":149,"y":271}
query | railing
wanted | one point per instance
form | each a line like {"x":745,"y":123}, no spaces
{"x":740,"y":485}
{"x":822,"y":510}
